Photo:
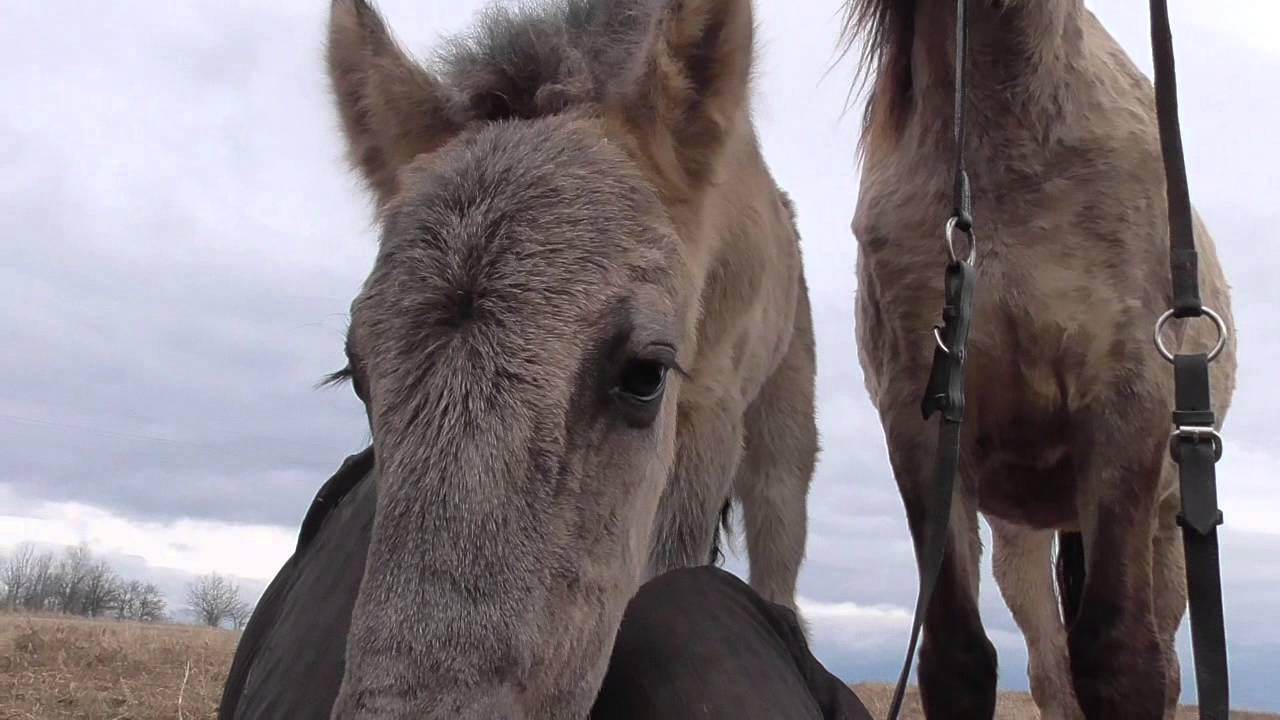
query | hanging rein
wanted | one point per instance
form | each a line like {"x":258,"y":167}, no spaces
{"x":1195,"y":444}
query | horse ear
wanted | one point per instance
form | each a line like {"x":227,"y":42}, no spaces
{"x":690,"y":86}
{"x":392,"y":109}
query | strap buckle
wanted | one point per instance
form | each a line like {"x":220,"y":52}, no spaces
{"x":945,"y":390}
{"x":937,"y":339}
{"x":953,"y":224}
{"x":1195,"y":434}
{"x":1182,"y":521}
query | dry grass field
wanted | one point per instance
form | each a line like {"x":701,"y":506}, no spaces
{"x":1010,"y":706}
{"x":57,"y":667}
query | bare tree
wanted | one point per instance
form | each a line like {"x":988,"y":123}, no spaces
{"x":75,"y":584}
{"x":140,"y":601}
{"x":72,"y":576}
{"x":30,"y":580}
{"x":213,"y":599}
{"x":150,"y":604}
{"x":101,"y":591}
{"x":16,"y":574}
{"x":43,"y":585}
{"x":240,"y":615}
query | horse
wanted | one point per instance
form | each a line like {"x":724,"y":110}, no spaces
{"x":691,"y":637}
{"x":586,"y":328}
{"x":1069,"y":403}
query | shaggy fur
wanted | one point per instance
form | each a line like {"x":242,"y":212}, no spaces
{"x":555,"y":219}
{"x":1069,"y":403}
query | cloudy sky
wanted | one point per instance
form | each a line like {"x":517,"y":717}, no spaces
{"x":181,"y":241}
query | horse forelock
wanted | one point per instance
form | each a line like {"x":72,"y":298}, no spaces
{"x":541,"y":58}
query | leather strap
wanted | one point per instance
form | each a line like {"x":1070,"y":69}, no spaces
{"x":1183,"y":262}
{"x":1196,"y":456}
{"x":962,"y":205}
{"x":1196,"y":446}
{"x":1204,"y":591}
{"x":933,"y":546}
{"x":945,"y":391}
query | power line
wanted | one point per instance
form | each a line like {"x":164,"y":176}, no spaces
{"x":62,"y":425}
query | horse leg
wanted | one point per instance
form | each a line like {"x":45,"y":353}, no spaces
{"x":957,"y":669}
{"x":1169,"y":577}
{"x":1117,"y":662}
{"x":957,"y":661}
{"x":1023,"y":565}
{"x":708,"y":450}
{"x":773,"y":479}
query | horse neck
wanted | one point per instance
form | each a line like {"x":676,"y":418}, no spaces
{"x":1024,"y":60}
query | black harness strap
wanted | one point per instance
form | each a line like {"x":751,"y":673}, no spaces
{"x":1183,"y":262}
{"x":1195,"y":443}
{"x":1200,"y":518}
{"x":945,"y":391}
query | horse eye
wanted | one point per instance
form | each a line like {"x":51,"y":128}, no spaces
{"x":357,"y":384}
{"x":643,"y":380}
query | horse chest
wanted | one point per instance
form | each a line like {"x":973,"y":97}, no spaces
{"x":1034,"y":364}
{"x":1045,"y":333}
{"x":1016,"y":453}
{"x":1038,"y":354}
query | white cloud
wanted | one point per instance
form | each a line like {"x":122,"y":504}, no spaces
{"x":254,"y":552}
{"x":856,"y":626}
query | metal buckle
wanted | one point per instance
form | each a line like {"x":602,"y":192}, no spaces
{"x":949,"y":234}
{"x":937,"y":337}
{"x":1215,"y":317}
{"x":1197,"y":433}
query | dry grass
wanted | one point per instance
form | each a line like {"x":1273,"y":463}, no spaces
{"x":58,"y":667}
{"x":1010,"y":706}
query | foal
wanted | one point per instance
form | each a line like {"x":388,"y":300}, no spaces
{"x":586,"y":328}
{"x":1069,"y":403}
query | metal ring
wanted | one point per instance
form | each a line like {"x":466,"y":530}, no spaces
{"x":949,"y":234}
{"x":1196,"y":432}
{"x":937,"y":337}
{"x":1215,"y":317}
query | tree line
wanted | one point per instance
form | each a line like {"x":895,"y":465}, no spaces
{"x":77,"y":583}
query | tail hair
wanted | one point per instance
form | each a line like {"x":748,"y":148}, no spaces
{"x":1070,"y":573}
{"x":724,"y":532}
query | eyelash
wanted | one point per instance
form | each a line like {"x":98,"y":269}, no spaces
{"x":677,"y":369}
{"x":672,"y":364}
{"x":338,"y":377}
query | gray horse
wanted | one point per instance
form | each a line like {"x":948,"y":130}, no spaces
{"x":1069,"y":403}
{"x":586,"y":329}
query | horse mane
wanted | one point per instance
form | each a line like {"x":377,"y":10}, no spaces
{"x":543,"y":57}
{"x":883,"y":32}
